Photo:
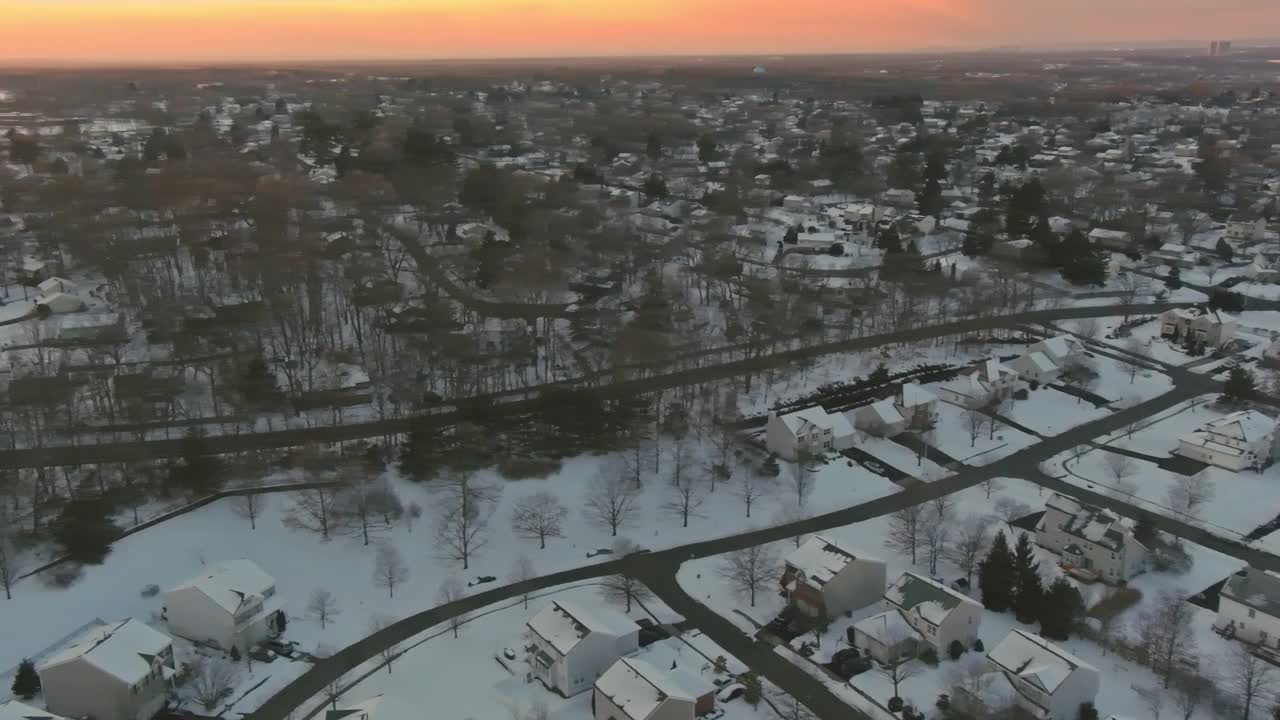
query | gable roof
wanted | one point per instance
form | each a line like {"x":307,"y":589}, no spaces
{"x":888,"y":628}
{"x":123,"y":650}
{"x":1256,"y":589}
{"x":929,"y":600}
{"x":820,"y":559}
{"x":801,"y":421}
{"x":1038,"y":361}
{"x":14,"y":710}
{"x":1060,"y":346}
{"x":564,"y":624}
{"x":991,"y":370}
{"x":230,"y":584}
{"x":887,"y":412}
{"x":1089,"y":522}
{"x":1036,"y":660}
{"x":913,"y":395}
{"x":638,"y":688}
{"x":1244,"y":425}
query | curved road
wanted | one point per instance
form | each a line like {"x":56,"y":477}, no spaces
{"x":658,"y":569}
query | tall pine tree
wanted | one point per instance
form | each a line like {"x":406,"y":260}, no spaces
{"x":1028,"y":593}
{"x":26,"y":682}
{"x":995,"y":576}
{"x":1061,"y":609}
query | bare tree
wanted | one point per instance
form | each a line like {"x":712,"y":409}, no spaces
{"x":211,"y":680}
{"x":450,"y":592}
{"x":684,"y":501}
{"x":1119,"y":466}
{"x":322,"y":606}
{"x":1134,"y":346}
{"x":1190,"y":691}
{"x":990,"y":485}
{"x":313,"y":510}
{"x":899,"y":670}
{"x":611,"y":503}
{"x":248,"y":505}
{"x":412,"y":514}
{"x":789,"y":515}
{"x":389,"y":568}
{"x":391,"y":650}
{"x":802,"y":476}
{"x":936,"y":528}
{"x":1008,"y":509}
{"x":538,"y":517}
{"x":750,"y":569}
{"x":1165,"y":635}
{"x":367,"y":509}
{"x":1249,"y":677}
{"x":906,"y":530}
{"x":1190,"y":493}
{"x":1087,"y":328}
{"x":521,"y":570}
{"x":968,"y":545}
{"x":466,"y":507}
{"x":10,"y":558}
{"x":751,"y":487}
{"x":1153,"y":699}
{"x":975,"y":419}
{"x":624,"y":589}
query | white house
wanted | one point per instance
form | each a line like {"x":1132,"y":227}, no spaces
{"x":1110,"y":239}
{"x":881,"y":418}
{"x":980,"y":385}
{"x":569,"y":646}
{"x":810,"y":430}
{"x":59,"y":303}
{"x":14,"y":710}
{"x":377,"y":707}
{"x":1061,"y":349}
{"x":117,"y":671}
{"x":914,"y":402}
{"x":1210,"y":328}
{"x":1271,"y":355}
{"x":887,"y":636}
{"x":939,"y":614}
{"x":899,"y":197}
{"x":1240,"y":440}
{"x":1035,"y":367}
{"x":1246,"y":229}
{"x":823,"y":579}
{"x":1176,"y":255}
{"x":1050,"y":683}
{"x":56,"y":285}
{"x":1090,"y":538}
{"x":634,"y":689}
{"x":1249,"y":608}
{"x":232,"y":604}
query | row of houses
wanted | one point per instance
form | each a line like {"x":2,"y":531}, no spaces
{"x":122,"y":670}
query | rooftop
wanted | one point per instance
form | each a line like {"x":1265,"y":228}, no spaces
{"x":563,"y":624}
{"x":14,"y":710}
{"x":1255,"y":588}
{"x":231,"y":584}
{"x":637,"y":687}
{"x":1035,"y":660}
{"x":928,"y":599}
{"x":122,"y":649}
{"x":820,"y":559}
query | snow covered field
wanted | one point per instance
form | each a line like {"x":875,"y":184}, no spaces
{"x":702,"y":579}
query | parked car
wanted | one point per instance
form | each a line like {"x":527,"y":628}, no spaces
{"x":262,"y":654}
{"x":599,"y":551}
{"x":875,"y":467}
{"x":508,"y":653}
{"x":482,"y":580}
{"x":730,"y":692}
{"x":279,"y":647}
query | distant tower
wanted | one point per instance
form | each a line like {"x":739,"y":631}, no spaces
{"x":1213,"y":49}
{"x":1224,"y":47}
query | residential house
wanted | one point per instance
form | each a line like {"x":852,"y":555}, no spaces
{"x":569,"y":646}
{"x":939,"y":614}
{"x":231,"y":605}
{"x":1035,"y":367}
{"x":1118,"y":240}
{"x":91,"y":327}
{"x":915,"y":403}
{"x":1271,"y":355}
{"x":881,"y":418}
{"x":1208,"y":328}
{"x":1247,"y":229}
{"x":56,"y":285}
{"x":1263,"y":270}
{"x":1240,"y":440}
{"x":978,"y":386}
{"x":1175,"y":255}
{"x":898,"y":197}
{"x":823,"y":579}
{"x":116,"y":671}
{"x":1249,"y":608}
{"x":1049,"y":682}
{"x":811,"y":430}
{"x":14,"y":710}
{"x":377,"y":707}
{"x":1090,"y":539}
{"x":1061,"y":349}
{"x":59,"y":303}
{"x":887,"y":637}
{"x":634,"y":689}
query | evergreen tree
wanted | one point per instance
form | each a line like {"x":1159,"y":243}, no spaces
{"x":889,"y":241}
{"x":792,"y":235}
{"x":1061,"y":609}
{"x":707,"y":149}
{"x":26,"y":682}
{"x":995,"y":576}
{"x":1173,"y":280}
{"x":199,"y":470}
{"x":1239,"y":386}
{"x":419,"y":454}
{"x":655,"y":188}
{"x":85,"y":531}
{"x":1028,"y":593}
{"x":1224,"y":250}
{"x":1080,"y":262}
{"x":653,"y":146}
{"x":281,"y":622}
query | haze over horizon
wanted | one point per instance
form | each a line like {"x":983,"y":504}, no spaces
{"x":199,"y":31}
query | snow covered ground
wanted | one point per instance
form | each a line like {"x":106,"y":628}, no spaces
{"x":1120,"y":677}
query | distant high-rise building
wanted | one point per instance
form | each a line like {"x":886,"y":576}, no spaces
{"x":1219,"y":47}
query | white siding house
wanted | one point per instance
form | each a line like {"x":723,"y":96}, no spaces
{"x":915,"y":402}
{"x":881,"y":418}
{"x":1247,"y":229}
{"x":810,"y":430}
{"x":980,"y":385}
{"x":1061,"y":349}
{"x":1210,"y":329}
{"x":1240,"y":440}
{"x":1249,"y":608}
{"x":823,"y":579}
{"x":569,"y":646}
{"x":938,"y":613}
{"x":1090,"y":538}
{"x":14,"y":710}
{"x":1050,"y":683}
{"x":118,"y":671}
{"x":1035,"y":367}
{"x":233,"y":604}
{"x":634,"y":689}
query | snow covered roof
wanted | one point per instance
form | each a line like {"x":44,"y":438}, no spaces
{"x":377,"y":707}
{"x":55,"y":285}
{"x":1060,"y":346}
{"x":800,"y":421}
{"x":887,"y":412}
{"x":820,"y":559}
{"x":1108,"y":234}
{"x":1088,"y":522}
{"x":1039,"y":361}
{"x":61,"y":302}
{"x":1035,"y":660}
{"x":14,"y":710}
{"x":123,"y":650}
{"x":638,"y":688}
{"x":888,"y":627}
{"x":914,"y":395}
{"x":564,"y":624}
{"x":1244,"y":425}
{"x":967,"y":385}
{"x":231,"y":584}
{"x":925,"y":598}
{"x":991,"y":370}
{"x":1255,"y":588}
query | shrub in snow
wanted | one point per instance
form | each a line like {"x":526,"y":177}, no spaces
{"x":235,"y":653}
{"x":26,"y":682}
{"x":1088,"y":711}
{"x":977,"y":645}
{"x":150,"y":591}
{"x":955,"y":649}
{"x":895,"y":704}
{"x":930,"y":657}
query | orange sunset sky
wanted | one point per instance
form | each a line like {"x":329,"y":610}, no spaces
{"x":160,"y":31}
